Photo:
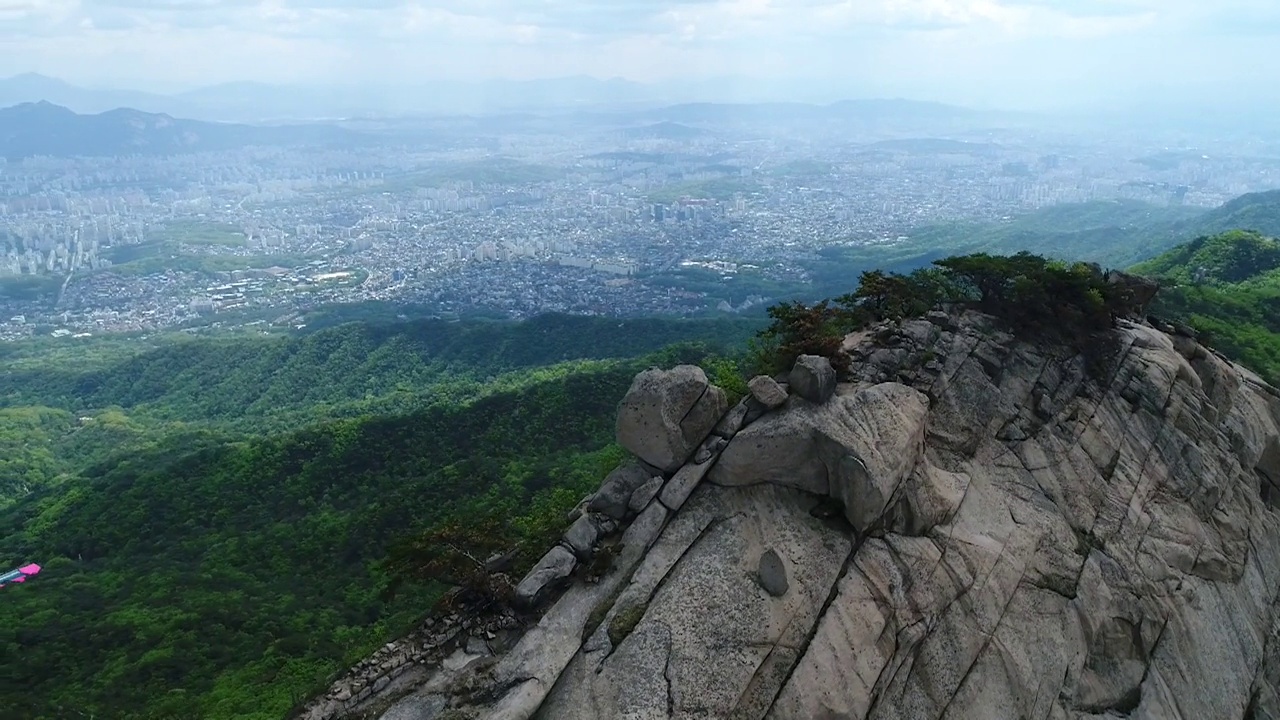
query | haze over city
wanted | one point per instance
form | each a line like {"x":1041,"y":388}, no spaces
{"x":1032,"y":54}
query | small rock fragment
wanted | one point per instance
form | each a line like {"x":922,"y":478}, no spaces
{"x":773,"y":574}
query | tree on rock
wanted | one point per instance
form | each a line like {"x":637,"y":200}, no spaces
{"x":1074,"y":304}
{"x":456,"y":553}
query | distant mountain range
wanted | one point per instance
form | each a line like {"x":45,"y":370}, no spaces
{"x":42,"y":128}
{"x":258,"y":103}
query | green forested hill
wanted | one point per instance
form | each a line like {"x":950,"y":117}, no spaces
{"x":1114,"y":233}
{"x":212,"y":515}
{"x":65,"y":402}
{"x":1227,"y":287}
{"x":202,"y":378}
{"x":1259,"y":212}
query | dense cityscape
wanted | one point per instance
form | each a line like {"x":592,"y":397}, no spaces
{"x":514,"y":220}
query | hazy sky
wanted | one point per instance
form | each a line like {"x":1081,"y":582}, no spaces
{"x":1010,"y":52}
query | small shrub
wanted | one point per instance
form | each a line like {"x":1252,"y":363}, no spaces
{"x":726,"y":373}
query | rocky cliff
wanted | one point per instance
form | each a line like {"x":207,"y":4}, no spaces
{"x":970,"y":526}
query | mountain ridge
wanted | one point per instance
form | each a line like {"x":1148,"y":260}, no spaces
{"x":254,"y":102}
{"x":998,"y":511}
{"x":43,"y":128}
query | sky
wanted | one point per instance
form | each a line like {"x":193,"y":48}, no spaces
{"x":1009,"y":53}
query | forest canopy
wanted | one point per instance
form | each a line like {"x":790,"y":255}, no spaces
{"x":1075,"y":304}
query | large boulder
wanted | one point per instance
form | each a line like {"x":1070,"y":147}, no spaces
{"x":857,"y":448}
{"x":667,"y":414}
{"x":767,"y":391}
{"x":1138,"y":291}
{"x":813,"y":378}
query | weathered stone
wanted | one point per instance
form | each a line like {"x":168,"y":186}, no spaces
{"x":555,"y":566}
{"x":920,"y":333}
{"x":644,"y":494}
{"x":709,"y":449}
{"x":813,"y":378}
{"x":477,"y":646}
{"x":424,"y":706}
{"x":873,"y":449}
{"x":941,"y":319}
{"x":681,"y":485}
{"x":772,"y":574}
{"x":665,"y":415}
{"x":615,"y":493}
{"x":857,"y":449}
{"x":699,"y":646}
{"x":733,"y":420}
{"x":582,"y":535}
{"x":779,"y":449}
{"x":754,"y":410}
{"x":767,"y":391}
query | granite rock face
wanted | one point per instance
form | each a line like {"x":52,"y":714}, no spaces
{"x":1015,"y":536}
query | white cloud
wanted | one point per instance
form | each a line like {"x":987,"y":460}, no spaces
{"x":956,"y":48}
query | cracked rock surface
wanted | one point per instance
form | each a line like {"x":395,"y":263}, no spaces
{"x":1016,"y":537}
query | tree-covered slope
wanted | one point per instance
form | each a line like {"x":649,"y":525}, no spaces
{"x":1115,"y":233}
{"x":1109,"y":232}
{"x":229,"y":378}
{"x":1227,"y":287}
{"x":1259,"y":212}
{"x":213,"y":514}
{"x":226,"y":581}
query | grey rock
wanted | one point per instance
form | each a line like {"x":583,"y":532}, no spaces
{"x":773,"y":574}
{"x":644,"y":494}
{"x":615,"y":493}
{"x":701,"y":647}
{"x":921,"y":333}
{"x":709,"y":449}
{"x":733,"y":420}
{"x":555,"y":566}
{"x":582,"y":535}
{"x":941,"y":319}
{"x":580,"y":508}
{"x":666,"y":414}
{"x":857,"y":448}
{"x":477,"y":646}
{"x":681,"y":485}
{"x":813,"y":378}
{"x":767,"y":391}
{"x":754,"y":411}
{"x":426,"y":706}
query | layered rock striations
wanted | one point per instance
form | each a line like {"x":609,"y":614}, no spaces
{"x":970,"y":526}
